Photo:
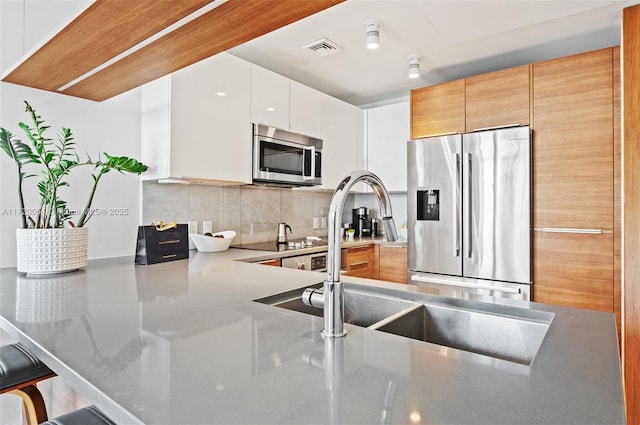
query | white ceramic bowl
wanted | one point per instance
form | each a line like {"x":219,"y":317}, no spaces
{"x":210,"y":244}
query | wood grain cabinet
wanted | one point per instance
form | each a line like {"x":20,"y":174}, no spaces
{"x":497,"y":99}
{"x":438,"y":109}
{"x":360,"y":261}
{"x":573,"y":180}
{"x":575,"y":270}
{"x":392,"y":263}
{"x":276,"y":262}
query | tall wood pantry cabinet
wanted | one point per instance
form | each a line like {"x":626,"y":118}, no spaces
{"x":574,"y":134}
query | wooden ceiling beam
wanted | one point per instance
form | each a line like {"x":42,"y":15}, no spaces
{"x":110,"y":27}
{"x":104,"y":30}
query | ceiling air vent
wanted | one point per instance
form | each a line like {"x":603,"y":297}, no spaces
{"x":322,"y":47}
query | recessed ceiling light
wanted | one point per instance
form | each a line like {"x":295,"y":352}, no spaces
{"x":270,"y":108}
{"x":414,"y":66}
{"x":221,"y":93}
{"x":373,"y":35}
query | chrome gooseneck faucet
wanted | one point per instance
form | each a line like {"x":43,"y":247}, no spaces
{"x":333,"y":291}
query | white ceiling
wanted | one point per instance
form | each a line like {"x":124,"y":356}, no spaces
{"x":455,"y":39}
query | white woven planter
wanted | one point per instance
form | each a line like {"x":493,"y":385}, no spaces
{"x":48,"y":251}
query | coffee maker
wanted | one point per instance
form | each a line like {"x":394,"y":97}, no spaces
{"x":361,"y":222}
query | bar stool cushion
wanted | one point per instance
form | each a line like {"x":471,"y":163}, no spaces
{"x":86,"y":416}
{"x":18,"y":366}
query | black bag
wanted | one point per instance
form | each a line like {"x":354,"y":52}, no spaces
{"x":157,"y":244}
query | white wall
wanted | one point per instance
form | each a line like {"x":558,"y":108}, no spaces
{"x":112,"y":126}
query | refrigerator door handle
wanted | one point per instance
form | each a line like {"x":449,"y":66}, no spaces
{"x":456,"y":207}
{"x":465,"y":285}
{"x":469,"y":204}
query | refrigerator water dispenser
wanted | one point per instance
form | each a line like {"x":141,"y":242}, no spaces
{"x":428,"y":205}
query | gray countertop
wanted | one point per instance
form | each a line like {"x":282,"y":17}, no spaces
{"x":184,"y":343}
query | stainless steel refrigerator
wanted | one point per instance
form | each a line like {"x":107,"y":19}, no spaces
{"x":469,"y":214}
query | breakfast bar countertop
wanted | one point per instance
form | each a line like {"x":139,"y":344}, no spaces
{"x":184,"y":342}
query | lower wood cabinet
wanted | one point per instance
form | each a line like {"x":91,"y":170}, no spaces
{"x":376,"y":261}
{"x":574,"y":270}
{"x":277,"y":262}
{"x":359,"y":261}
{"x":393,"y":263}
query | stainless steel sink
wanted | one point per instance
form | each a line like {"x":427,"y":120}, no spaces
{"x":361,"y":308}
{"x":500,"y":331}
{"x":516,"y":338}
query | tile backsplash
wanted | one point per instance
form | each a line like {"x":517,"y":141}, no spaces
{"x":253,"y":212}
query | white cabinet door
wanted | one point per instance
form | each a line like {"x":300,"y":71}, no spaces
{"x":196,"y":122}
{"x":340,"y":134}
{"x":269,"y":98}
{"x":387,"y":136}
{"x":155,"y":126}
{"x":305,"y":108}
{"x":210,"y":116}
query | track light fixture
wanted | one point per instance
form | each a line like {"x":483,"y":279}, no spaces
{"x":414,"y":66}
{"x":373,"y":35}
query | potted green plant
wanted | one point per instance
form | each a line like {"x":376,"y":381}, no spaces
{"x":51,"y":240}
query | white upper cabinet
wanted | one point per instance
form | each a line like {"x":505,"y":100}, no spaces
{"x":205,"y":109}
{"x":283,"y":103}
{"x":155,"y":126}
{"x":196,"y":123}
{"x":269,"y":98}
{"x":340,"y":133}
{"x":305,"y":109}
{"x":387,"y":133}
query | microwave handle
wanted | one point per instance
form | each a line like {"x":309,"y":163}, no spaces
{"x":312,"y":160}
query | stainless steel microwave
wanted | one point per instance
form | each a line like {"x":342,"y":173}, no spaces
{"x":283,"y":157}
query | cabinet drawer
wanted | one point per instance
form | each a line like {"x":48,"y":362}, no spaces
{"x":359,"y":261}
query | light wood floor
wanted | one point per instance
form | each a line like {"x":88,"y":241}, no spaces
{"x":59,"y":397}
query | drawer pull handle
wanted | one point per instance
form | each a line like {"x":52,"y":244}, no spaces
{"x":358,"y":264}
{"x":571,"y":230}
